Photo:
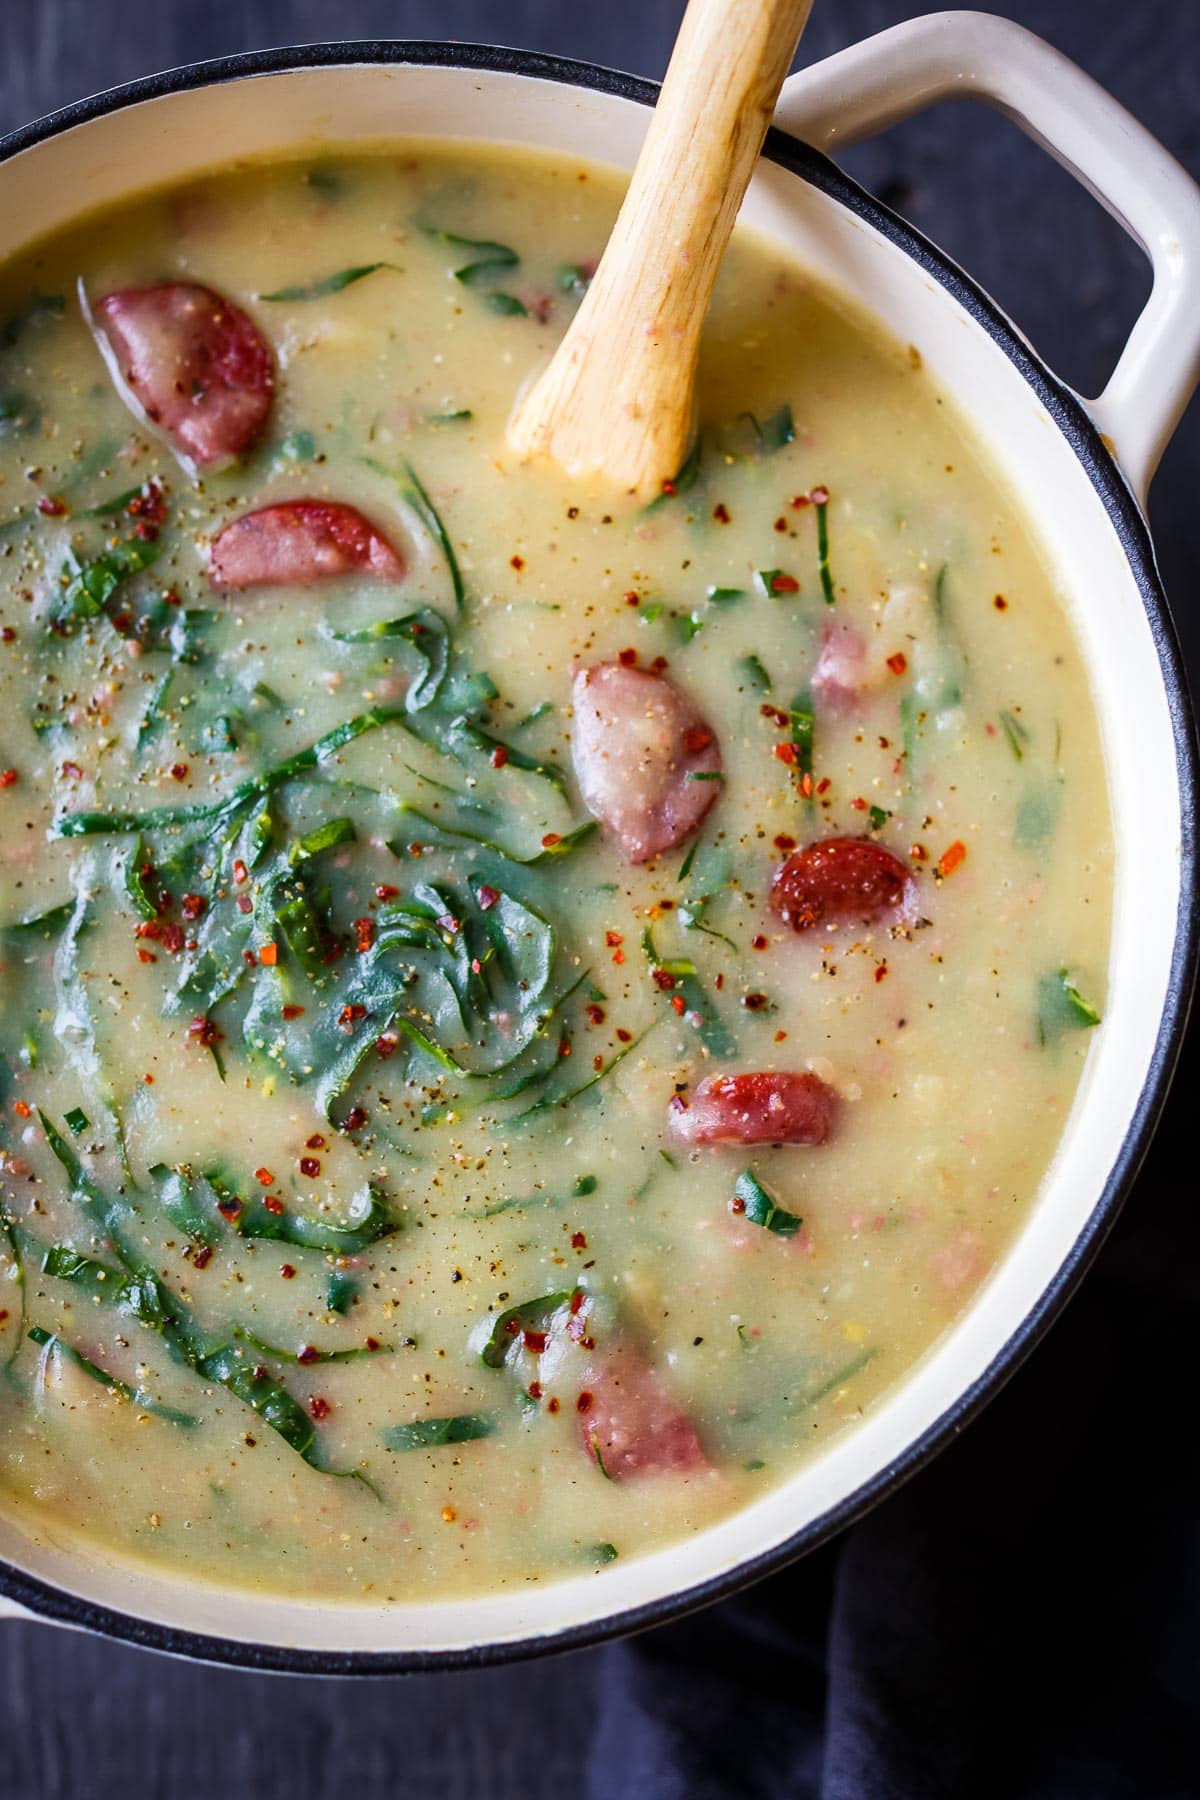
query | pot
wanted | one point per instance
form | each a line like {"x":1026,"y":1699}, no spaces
{"x":1081,"y":468}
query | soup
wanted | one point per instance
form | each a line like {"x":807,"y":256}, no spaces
{"x":524,"y":1014}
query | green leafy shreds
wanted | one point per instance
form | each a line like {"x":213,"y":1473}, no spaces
{"x":760,"y":1208}
{"x":46,"y":924}
{"x":1061,"y":1007}
{"x":137,"y":871}
{"x":803,"y":724}
{"x":506,"y":306}
{"x":144,"y":1296}
{"x":487,"y":261}
{"x":699,"y":1009}
{"x":308,"y":1355}
{"x":1015,"y":732}
{"x":820,"y":497}
{"x":753,"y":672}
{"x":328,"y":284}
{"x":425,"y":631}
{"x":433,"y":1434}
{"x":414,"y":493}
{"x":52,"y":1344}
{"x":11,"y":1251}
{"x":552,"y":1102}
{"x":109,"y":509}
{"x":341,"y":1291}
{"x":76,"y":1121}
{"x":368,"y":1221}
{"x":179,"y":1195}
{"x":529,"y":1315}
{"x":156,"y":710}
{"x":573,"y":278}
{"x":323,"y":837}
{"x":561,"y":845}
{"x":810,"y":1396}
{"x":86,"y":588}
{"x":877,"y":817}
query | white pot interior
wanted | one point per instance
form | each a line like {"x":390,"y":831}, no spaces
{"x":180,"y":134}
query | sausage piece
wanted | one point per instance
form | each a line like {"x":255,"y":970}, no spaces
{"x":646,"y":761}
{"x":196,"y":365}
{"x":791,"y":1107}
{"x":838,"y":879}
{"x":297,"y":542}
{"x":632,"y":1424}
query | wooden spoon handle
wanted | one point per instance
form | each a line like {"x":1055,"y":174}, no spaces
{"x":616,"y":400}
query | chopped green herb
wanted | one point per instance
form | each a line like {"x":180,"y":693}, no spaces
{"x":877,"y":817}
{"x":341,"y":1291}
{"x":753,"y":671}
{"x":760,"y":1208}
{"x":432,"y":1434}
{"x":328,"y":284}
{"x":823,"y":569}
{"x":507,"y":1328}
{"x":1062,"y":1007}
{"x":1016,"y":734}
{"x":52,"y":1344}
{"x":76,"y":1121}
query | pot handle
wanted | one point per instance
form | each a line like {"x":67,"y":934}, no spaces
{"x":971,"y":55}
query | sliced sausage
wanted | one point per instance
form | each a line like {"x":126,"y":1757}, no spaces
{"x":838,"y":879}
{"x":298,"y":542}
{"x":648,"y":765}
{"x":792,"y":1107}
{"x":195,"y":364}
{"x":629,"y":1421}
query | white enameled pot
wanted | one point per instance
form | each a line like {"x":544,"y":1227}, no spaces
{"x":1081,"y":468}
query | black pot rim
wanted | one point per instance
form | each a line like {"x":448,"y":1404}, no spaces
{"x":61,"y":1606}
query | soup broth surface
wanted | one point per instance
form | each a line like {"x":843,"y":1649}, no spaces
{"x":363,"y":1236}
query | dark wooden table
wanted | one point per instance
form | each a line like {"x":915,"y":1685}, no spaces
{"x":90,"y":1720}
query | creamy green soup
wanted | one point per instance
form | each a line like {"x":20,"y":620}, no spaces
{"x":523,"y":1014}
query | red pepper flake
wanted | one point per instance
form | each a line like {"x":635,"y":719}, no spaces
{"x":669,"y":489}
{"x":1000,"y":603}
{"x":897,"y":663}
{"x":318,"y":1408}
{"x":173,"y":939}
{"x":229,"y":1207}
{"x":310,"y":1166}
{"x":597,"y":1063}
{"x":364,"y":935}
{"x":819,"y":496}
{"x":784,"y":842}
{"x":781,"y":524}
{"x":721,"y":513}
{"x":632,"y":599}
{"x":595,"y":1014}
{"x":349,"y":1015}
{"x":287,"y":1271}
{"x":780,"y":1036}
{"x":245,"y":904}
{"x":292,"y":1011}
{"x":498,"y":757}
{"x":149,"y":928}
{"x":8,"y":634}
{"x":385,"y":891}
{"x":576,"y":1303}
{"x":578,"y":1240}
{"x":859,"y":804}
{"x":564,"y":1046}
{"x":737,"y":1204}
{"x":799,"y":500}
{"x":386,"y":1044}
{"x":315,"y":1142}
{"x":551,"y":840}
{"x":784,"y":584}
{"x":192,"y":906}
{"x":627,"y":658}
{"x":487,"y":898}
{"x":806,"y":785}
{"x":51,"y":507}
{"x":147,"y":956}
{"x":307,"y":1353}
{"x":149,"y":1080}
{"x":952,"y":857}
{"x":823,"y":785}
{"x":201,"y":1256}
{"x":72,"y":771}
{"x":623,"y":1036}
{"x":240,"y":872}
{"x":787,"y":753}
{"x":754,"y":1002}
{"x":8,"y":778}
{"x":534,"y":1390}
{"x":881,"y":971}
{"x":534,"y":1340}
{"x":613,"y":938}
{"x":179,"y":771}
{"x":679,"y":1003}
{"x":697,"y":738}
{"x":355,"y":1119}
{"x":203,"y":1031}
{"x":775,"y":714}
{"x":516,"y":562}
{"x":659,"y":664}
{"x":264,"y":1177}
{"x":371,"y":1343}
{"x":22,"y":1109}
{"x":552,"y":1406}
{"x":663,"y":979}
{"x":758,"y":943}
{"x":584,"y":1402}
{"x":273,"y":1204}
